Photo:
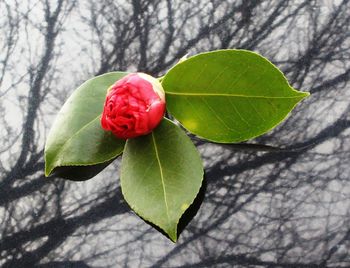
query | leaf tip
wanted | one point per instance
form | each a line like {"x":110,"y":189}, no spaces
{"x":173,"y":237}
{"x":48,"y":170}
{"x":301,"y":94}
{"x":305,"y":94}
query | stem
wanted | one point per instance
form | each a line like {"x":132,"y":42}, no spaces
{"x":161,"y":78}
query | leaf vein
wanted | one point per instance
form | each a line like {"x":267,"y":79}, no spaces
{"x":229,"y":95}
{"x":162,"y":178}
{"x":235,"y":81}
{"x":216,"y":77}
{"x":238,"y":113}
{"x":256,"y":111}
{"x":218,"y":117}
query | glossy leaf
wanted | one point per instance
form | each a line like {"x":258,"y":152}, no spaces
{"x":161,"y":175}
{"x":229,"y":95}
{"x":76,"y":137}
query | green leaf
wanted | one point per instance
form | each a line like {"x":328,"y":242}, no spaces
{"x":229,"y":95}
{"x":76,"y":137}
{"x":161,"y":175}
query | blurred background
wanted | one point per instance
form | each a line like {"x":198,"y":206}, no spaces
{"x":263,"y":207}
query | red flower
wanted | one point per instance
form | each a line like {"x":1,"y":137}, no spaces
{"x":134,"y":106}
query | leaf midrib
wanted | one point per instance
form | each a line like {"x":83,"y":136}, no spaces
{"x":232,"y":95}
{"x":162,"y":177}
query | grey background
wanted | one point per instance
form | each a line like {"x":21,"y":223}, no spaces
{"x":263,"y":207}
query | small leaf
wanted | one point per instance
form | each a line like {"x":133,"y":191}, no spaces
{"x":76,"y":137}
{"x":229,"y":95}
{"x":161,"y":175}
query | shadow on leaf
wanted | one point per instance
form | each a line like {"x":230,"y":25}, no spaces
{"x":79,"y":173}
{"x":189,"y":214}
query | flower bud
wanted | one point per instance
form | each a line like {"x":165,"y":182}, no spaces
{"x":134,"y":106}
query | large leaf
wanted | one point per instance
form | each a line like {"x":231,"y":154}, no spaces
{"x":161,"y":175}
{"x":229,"y":95}
{"x":76,"y":137}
